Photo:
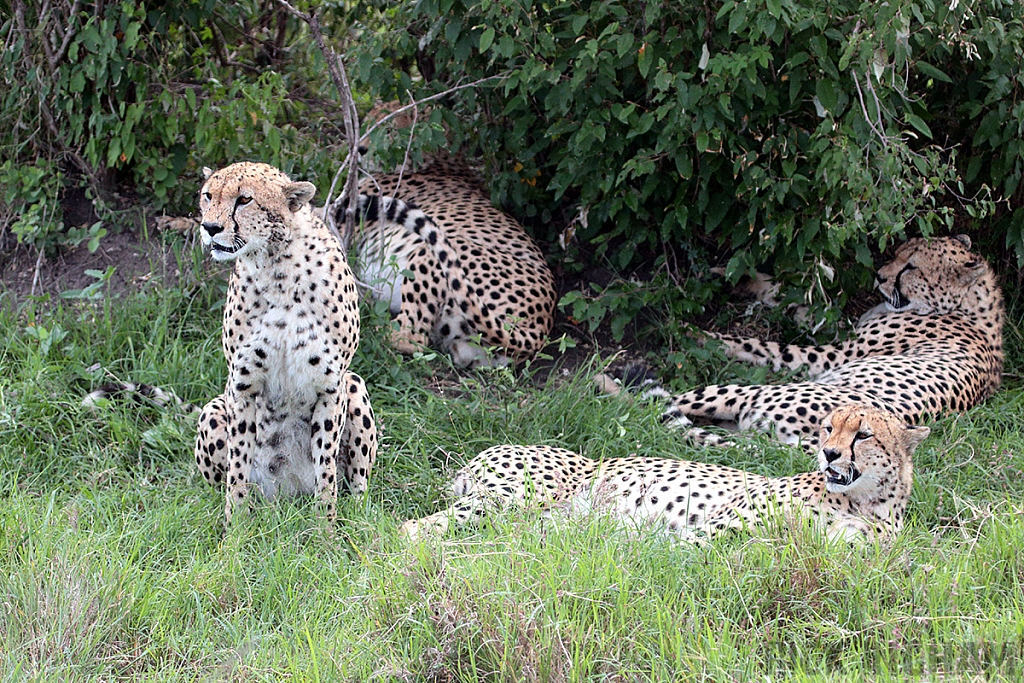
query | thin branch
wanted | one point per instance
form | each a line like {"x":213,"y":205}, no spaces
{"x":867,"y":117}
{"x":68,"y":35}
{"x":408,"y":146}
{"x":417,"y":103}
{"x":336,"y":68}
{"x":44,"y":21}
{"x":331,"y":207}
{"x":44,"y":110}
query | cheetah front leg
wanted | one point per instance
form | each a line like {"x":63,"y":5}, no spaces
{"x":359,"y":438}
{"x":772,"y":409}
{"x":245,"y":387}
{"x":211,"y":449}
{"x":242,"y":443}
{"x":465,"y":510}
{"x":326,"y":431}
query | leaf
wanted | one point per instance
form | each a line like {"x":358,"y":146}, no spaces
{"x":932,"y":72}
{"x":820,"y":110}
{"x":878,"y":64}
{"x":486,"y":39}
{"x":702,"y":141}
{"x":918,"y":123}
{"x":826,"y":91}
{"x":644,"y":59}
{"x":705,"y":56}
{"x":77,"y":83}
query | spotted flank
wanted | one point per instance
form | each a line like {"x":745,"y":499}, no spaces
{"x":459,"y":275}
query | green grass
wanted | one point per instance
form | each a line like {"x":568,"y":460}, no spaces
{"x":114,"y":564}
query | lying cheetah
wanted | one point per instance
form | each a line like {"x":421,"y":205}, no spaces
{"x":860,"y":490}
{"x":937,"y":348}
{"x":506,"y":275}
{"x":292,"y":414}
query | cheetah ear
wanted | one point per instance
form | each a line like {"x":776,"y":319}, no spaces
{"x":298,"y":194}
{"x":207,"y":172}
{"x":913,"y":436}
{"x":964,"y":240}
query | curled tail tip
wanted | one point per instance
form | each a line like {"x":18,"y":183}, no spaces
{"x":635,"y":378}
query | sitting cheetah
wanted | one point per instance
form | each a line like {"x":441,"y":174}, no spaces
{"x":509,"y":284}
{"x":292,"y":414}
{"x":860,"y":491}
{"x":937,"y":348}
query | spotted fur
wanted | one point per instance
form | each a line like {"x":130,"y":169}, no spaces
{"x":507,"y":282}
{"x":936,"y":348}
{"x":860,"y":490}
{"x":292,"y":415}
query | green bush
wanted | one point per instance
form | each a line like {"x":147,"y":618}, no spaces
{"x":798,"y":136}
{"x":143,"y":95}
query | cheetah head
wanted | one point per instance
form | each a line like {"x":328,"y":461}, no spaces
{"x":866,"y":451}
{"x":247,"y":208}
{"x":932,"y":276}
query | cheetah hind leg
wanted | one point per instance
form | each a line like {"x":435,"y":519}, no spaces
{"x":721,"y":405}
{"x":359,"y":439}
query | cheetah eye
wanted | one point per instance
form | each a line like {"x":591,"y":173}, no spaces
{"x":860,"y":436}
{"x":828,"y":429}
{"x":207,"y":196}
{"x":242,"y":201}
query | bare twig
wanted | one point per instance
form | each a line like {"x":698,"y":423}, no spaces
{"x":331,"y":207}
{"x":44,"y":109}
{"x":867,"y":117}
{"x":408,"y":146}
{"x":68,"y":35}
{"x":35,"y":276}
{"x":336,"y":68}
{"x":418,"y":103}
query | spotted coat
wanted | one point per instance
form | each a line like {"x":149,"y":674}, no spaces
{"x":292,"y":414}
{"x":860,"y":490}
{"x":934,"y":347}
{"x":507,"y":276}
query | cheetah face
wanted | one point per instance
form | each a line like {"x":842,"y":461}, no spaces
{"x":930,"y":276}
{"x":246,"y":209}
{"x":863,"y":449}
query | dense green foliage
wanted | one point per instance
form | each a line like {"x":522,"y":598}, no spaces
{"x":799,"y":133}
{"x":795,"y":137}
{"x":126,"y":95}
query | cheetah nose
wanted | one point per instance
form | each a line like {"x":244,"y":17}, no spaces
{"x":212,"y":228}
{"x":831,"y":454}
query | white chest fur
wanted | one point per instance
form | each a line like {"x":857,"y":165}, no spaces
{"x":289,"y":357}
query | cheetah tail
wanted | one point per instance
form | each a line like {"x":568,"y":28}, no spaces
{"x":140,"y":393}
